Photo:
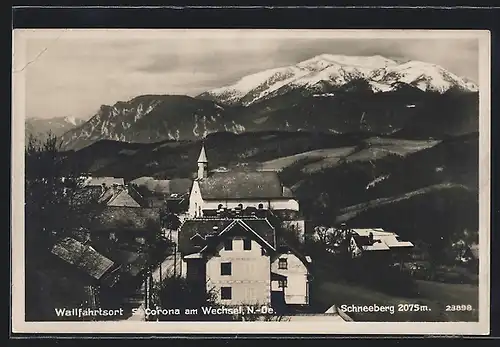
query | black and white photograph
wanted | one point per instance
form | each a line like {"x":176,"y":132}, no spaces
{"x":278,"y":181}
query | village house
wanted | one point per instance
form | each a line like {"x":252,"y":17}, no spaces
{"x":103,"y":181}
{"x":237,"y":190}
{"x":123,"y":224}
{"x":378,"y":242}
{"x":86,"y":259}
{"x":243,"y":261}
{"x":122,"y":196}
{"x":158,"y":193}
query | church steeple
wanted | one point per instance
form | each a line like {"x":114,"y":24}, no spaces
{"x":202,"y":163}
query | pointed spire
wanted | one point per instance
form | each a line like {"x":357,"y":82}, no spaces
{"x":203,"y":157}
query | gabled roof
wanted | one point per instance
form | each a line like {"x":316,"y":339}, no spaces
{"x":242,"y":185}
{"x":208,"y":235}
{"x":83,"y":257}
{"x":389,"y":239}
{"x":285,"y":246}
{"x":110,"y":194}
{"x":201,"y":227}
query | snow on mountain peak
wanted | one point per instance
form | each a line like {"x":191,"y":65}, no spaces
{"x":325,"y":60}
{"x":336,"y":70}
{"x":71,"y":120}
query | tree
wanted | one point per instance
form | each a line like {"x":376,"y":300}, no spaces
{"x":171,"y":221}
{"x":177,"y":292}
{"x":50,"y":186}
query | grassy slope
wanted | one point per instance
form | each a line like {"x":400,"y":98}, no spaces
{"x":350,"y":212}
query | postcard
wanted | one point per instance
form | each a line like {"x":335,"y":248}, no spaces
{"x":251,"y":181}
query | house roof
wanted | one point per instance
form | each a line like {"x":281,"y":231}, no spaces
{"x":285,"y":246}
{"x":112,"y":193}
{"x":165,"y":187}
{"x":83,"y":257}
{"x":194,"y":232}
{"x":202,"y":227}
{"x":384,"y":240}
{"x":108,"y":181}
{"x":241,"y":185}
{"x":113,"y":218}
{"x":87,"y":195}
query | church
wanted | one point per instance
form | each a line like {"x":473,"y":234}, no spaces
{"x":238,"y":190}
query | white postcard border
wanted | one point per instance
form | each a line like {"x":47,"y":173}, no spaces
{"x":19,"y":325}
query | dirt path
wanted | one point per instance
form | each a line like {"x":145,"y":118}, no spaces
{"x":351,"y":211}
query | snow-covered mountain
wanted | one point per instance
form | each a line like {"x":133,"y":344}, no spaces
{"x":327,"y":93}
{"x":326,"y":72}
{"x":40,"y":127}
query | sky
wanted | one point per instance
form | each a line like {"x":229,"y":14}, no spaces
{"x":73,"y":72}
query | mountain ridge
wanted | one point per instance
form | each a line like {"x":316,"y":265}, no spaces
{"x":325,"y":93}
{"x":337,"y":70}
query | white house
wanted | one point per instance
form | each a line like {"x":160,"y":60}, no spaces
{"x":375,"y":240}
{"x":237,"y":190}
{"x":243,"y":261}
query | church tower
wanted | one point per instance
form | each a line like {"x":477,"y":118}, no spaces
{"x":202,"y":164}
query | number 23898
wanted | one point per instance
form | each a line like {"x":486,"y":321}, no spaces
{"x":458,"y":308}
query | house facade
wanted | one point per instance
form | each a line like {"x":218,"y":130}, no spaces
{"x":295,"y":281}
{"x":237,"y":190}
{"x":240,"y":260}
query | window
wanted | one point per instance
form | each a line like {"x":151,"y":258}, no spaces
{"x":262,"y":251}
{"x":225,"y":269}
{"x":282,"y":264}
{"x":247,"y":244}
{"x":225,"y":293}
{"x":282,"y":283}
{"x":228,"y":245}
{"x":261,"y":206}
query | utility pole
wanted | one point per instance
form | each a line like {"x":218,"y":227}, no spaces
{"x":175,"y":260}
{"x":161,"y":263}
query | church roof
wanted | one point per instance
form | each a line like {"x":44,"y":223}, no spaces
{"x":242,"y":185}
{"x":203,"y":157}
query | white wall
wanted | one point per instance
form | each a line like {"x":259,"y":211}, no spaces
{"x":250,"y":276}
{"x":195,"y":200}
{"x":277,"y":204}
{"x":297,"y":290}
